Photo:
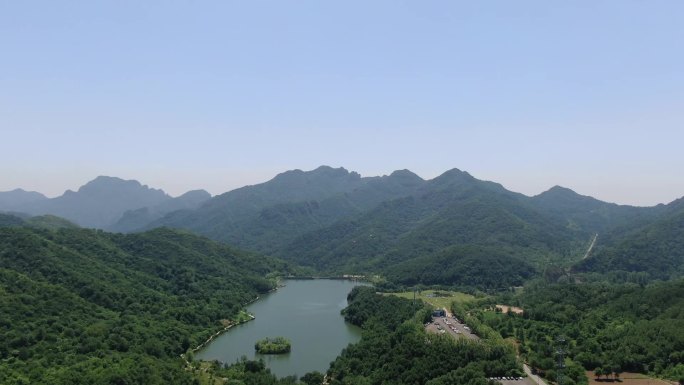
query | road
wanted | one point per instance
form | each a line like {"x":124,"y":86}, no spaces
{"x":591,"y":246}
{"x":461,"y":332}
{"x":533,"y":377}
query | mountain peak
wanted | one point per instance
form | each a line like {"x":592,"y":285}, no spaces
{"x":105,"y":182}
{"x":332,"y":172}
{"x":560,"y":192}
{"x":319,"y":172}
{"x":13,"y":200}
{"x":109,"y":185}
{"x":196,"y":194}
{"x":453,"y":175}
{"x":20,"y":192}
{"x":405,"y":173}
{"x":454,"y":172}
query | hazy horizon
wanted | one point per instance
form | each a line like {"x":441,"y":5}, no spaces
{"x":217,"y":95}
{"x":180,"y":191}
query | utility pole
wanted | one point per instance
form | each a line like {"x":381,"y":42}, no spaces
{"x":560,"y":351}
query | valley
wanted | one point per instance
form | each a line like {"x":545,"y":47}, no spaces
{"x":120,"y":299}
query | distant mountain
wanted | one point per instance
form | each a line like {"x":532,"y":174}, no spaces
{"x":101,"y":202}
{"x":590,"y":214}
{"x":135,"y":220}
{"x":267,"y":216}
{"x":656,"y":248}
{"x":10,"y":200}
{"x":453,"y":209}
{"x":336,"y":221}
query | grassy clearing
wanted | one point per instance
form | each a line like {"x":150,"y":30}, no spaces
{"x":429,"y":296}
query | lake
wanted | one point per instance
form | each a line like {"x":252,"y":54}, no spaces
{"x":307,"y":312}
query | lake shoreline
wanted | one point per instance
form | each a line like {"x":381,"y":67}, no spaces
{"x":225,"y":329}
{"x":344,"y":277}
{"x":228,"y":327}
{"x":307,"y":312}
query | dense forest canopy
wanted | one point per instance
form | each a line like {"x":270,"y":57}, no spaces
{"x":396,"y":348}
{"x":610,"y":327}
{"x":85,"y":306}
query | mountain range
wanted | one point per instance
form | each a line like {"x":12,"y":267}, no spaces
{"x":102,"y":203}
{"x":445,"y":230}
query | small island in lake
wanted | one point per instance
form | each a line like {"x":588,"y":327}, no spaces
{"x":277,"y":345}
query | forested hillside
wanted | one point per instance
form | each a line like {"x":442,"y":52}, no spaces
{"x":138,"y":219}
{"x":89,"y":307}
{"x":406,"y":228}
{"x":655,"y":250}
{"x":267,"y":216}
{"x":454,"y":210}
{"x":411,"y":230}
{"x":49,"y":222}
{"x":612,"y":328}
{"x":396,"y":349}
{"x":465,"y":266}
{"x":590,"y":214}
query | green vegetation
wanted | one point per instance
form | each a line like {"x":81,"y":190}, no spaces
{"x":438,"y":299}
{"x":453,"y":211}
{"x":244,"y":372}
{"x":465,"y":267}
{"x":607,"y":327}
{"x":83,"y":306}
{"x":277,"y":345}
{"x":89,"y":307}
{"x":268,"y":216}
{"x":453,"y":231}
{"x":48,"y":222}
{"x":655,"y":251}
{"x":396,"y":349}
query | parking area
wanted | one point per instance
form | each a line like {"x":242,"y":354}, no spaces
{"x":452,"y":326}
{"x":513,"y":380}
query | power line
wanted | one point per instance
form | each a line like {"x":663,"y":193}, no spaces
{"x":560,"y":352}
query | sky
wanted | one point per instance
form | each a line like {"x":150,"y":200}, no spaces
{"x":183,"y":95}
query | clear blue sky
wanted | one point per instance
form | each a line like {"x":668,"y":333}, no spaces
{"x":218,"y":94}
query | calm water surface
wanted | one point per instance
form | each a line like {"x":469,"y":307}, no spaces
{"x":307,"y":312}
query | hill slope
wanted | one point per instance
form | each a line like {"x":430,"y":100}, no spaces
{"x":590,"y":214}
{"x":454,"y":209}
{"x":267,"y":216}
{"x":655,"y":248}
{"x":84,"y":306}
{"x":11,"y":200}
{"x":337,"y":221}
{"x":138,"y":219}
